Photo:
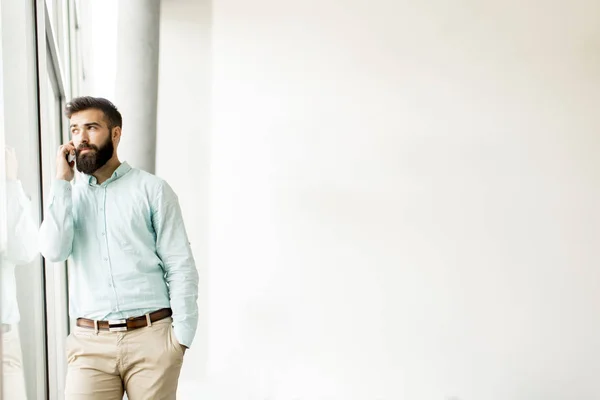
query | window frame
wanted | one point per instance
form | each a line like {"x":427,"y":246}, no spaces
{"x":54,"y":57}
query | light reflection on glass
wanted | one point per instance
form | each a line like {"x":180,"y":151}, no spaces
{"x":19,"y":249}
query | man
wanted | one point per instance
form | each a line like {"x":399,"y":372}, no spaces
{"x":19,"y":249}
{"x":133,"y":281}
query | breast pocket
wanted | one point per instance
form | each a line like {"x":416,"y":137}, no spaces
{"x":127,"y":223}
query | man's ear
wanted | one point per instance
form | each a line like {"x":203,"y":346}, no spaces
{"x":116,"y":134}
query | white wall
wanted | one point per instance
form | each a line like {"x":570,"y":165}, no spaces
{"x":99,"y":29}
{"x":182,"y":147}
{"x":403,"y":197}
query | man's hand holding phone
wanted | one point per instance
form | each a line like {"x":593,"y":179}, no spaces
{"x":64,"y":163}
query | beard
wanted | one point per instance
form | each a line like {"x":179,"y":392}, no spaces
{"x":96,"y":158}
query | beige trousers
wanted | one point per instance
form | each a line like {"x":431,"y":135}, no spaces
{"x":144,"y":362}
{"x":13,"y":378}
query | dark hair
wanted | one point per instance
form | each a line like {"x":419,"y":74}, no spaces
{"x":111,"y":114}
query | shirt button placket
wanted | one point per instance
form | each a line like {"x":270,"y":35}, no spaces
{"x":105,"y":242}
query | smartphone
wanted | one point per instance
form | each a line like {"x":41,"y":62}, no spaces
{"x":70,"y":157}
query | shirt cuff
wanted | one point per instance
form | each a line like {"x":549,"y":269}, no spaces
{"x":184,"y":335}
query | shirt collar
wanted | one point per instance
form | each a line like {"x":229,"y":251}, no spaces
{"x":119,"y":172}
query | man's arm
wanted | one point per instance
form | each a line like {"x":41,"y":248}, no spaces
{"x":174,"y":250}
{"x":57,"y":231}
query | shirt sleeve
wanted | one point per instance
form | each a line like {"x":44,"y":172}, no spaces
{"x":173,"y":248}
{"x":56,"y":232}
{"x":22,"y":227}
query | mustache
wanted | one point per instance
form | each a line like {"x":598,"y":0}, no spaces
{"x":85,"y":146}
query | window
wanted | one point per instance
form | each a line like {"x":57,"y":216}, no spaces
{"x":22,"y":302}
{"x":34,"y":87}
{"x":54,"y":58}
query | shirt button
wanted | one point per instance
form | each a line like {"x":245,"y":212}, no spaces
{"x":103,"y":233}
{"x":105,"y":259}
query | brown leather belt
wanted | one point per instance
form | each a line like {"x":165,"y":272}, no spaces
{"x":123,"y":325}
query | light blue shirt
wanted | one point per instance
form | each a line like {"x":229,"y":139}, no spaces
{"x":128,"y":248}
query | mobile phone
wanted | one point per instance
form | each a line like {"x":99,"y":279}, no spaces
{"x":70,"y":157}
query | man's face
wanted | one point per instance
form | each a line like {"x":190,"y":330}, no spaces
{"x":92,"y":140}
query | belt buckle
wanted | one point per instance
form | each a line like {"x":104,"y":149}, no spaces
{"x":117,"y":325}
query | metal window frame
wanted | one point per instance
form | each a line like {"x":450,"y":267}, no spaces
{"x":54,"y":63}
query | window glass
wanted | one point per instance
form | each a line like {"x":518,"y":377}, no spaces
{"x":33,"y":306}
{"x":34,"y":320}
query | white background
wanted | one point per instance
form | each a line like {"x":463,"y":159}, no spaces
{"x":387,"y":199}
